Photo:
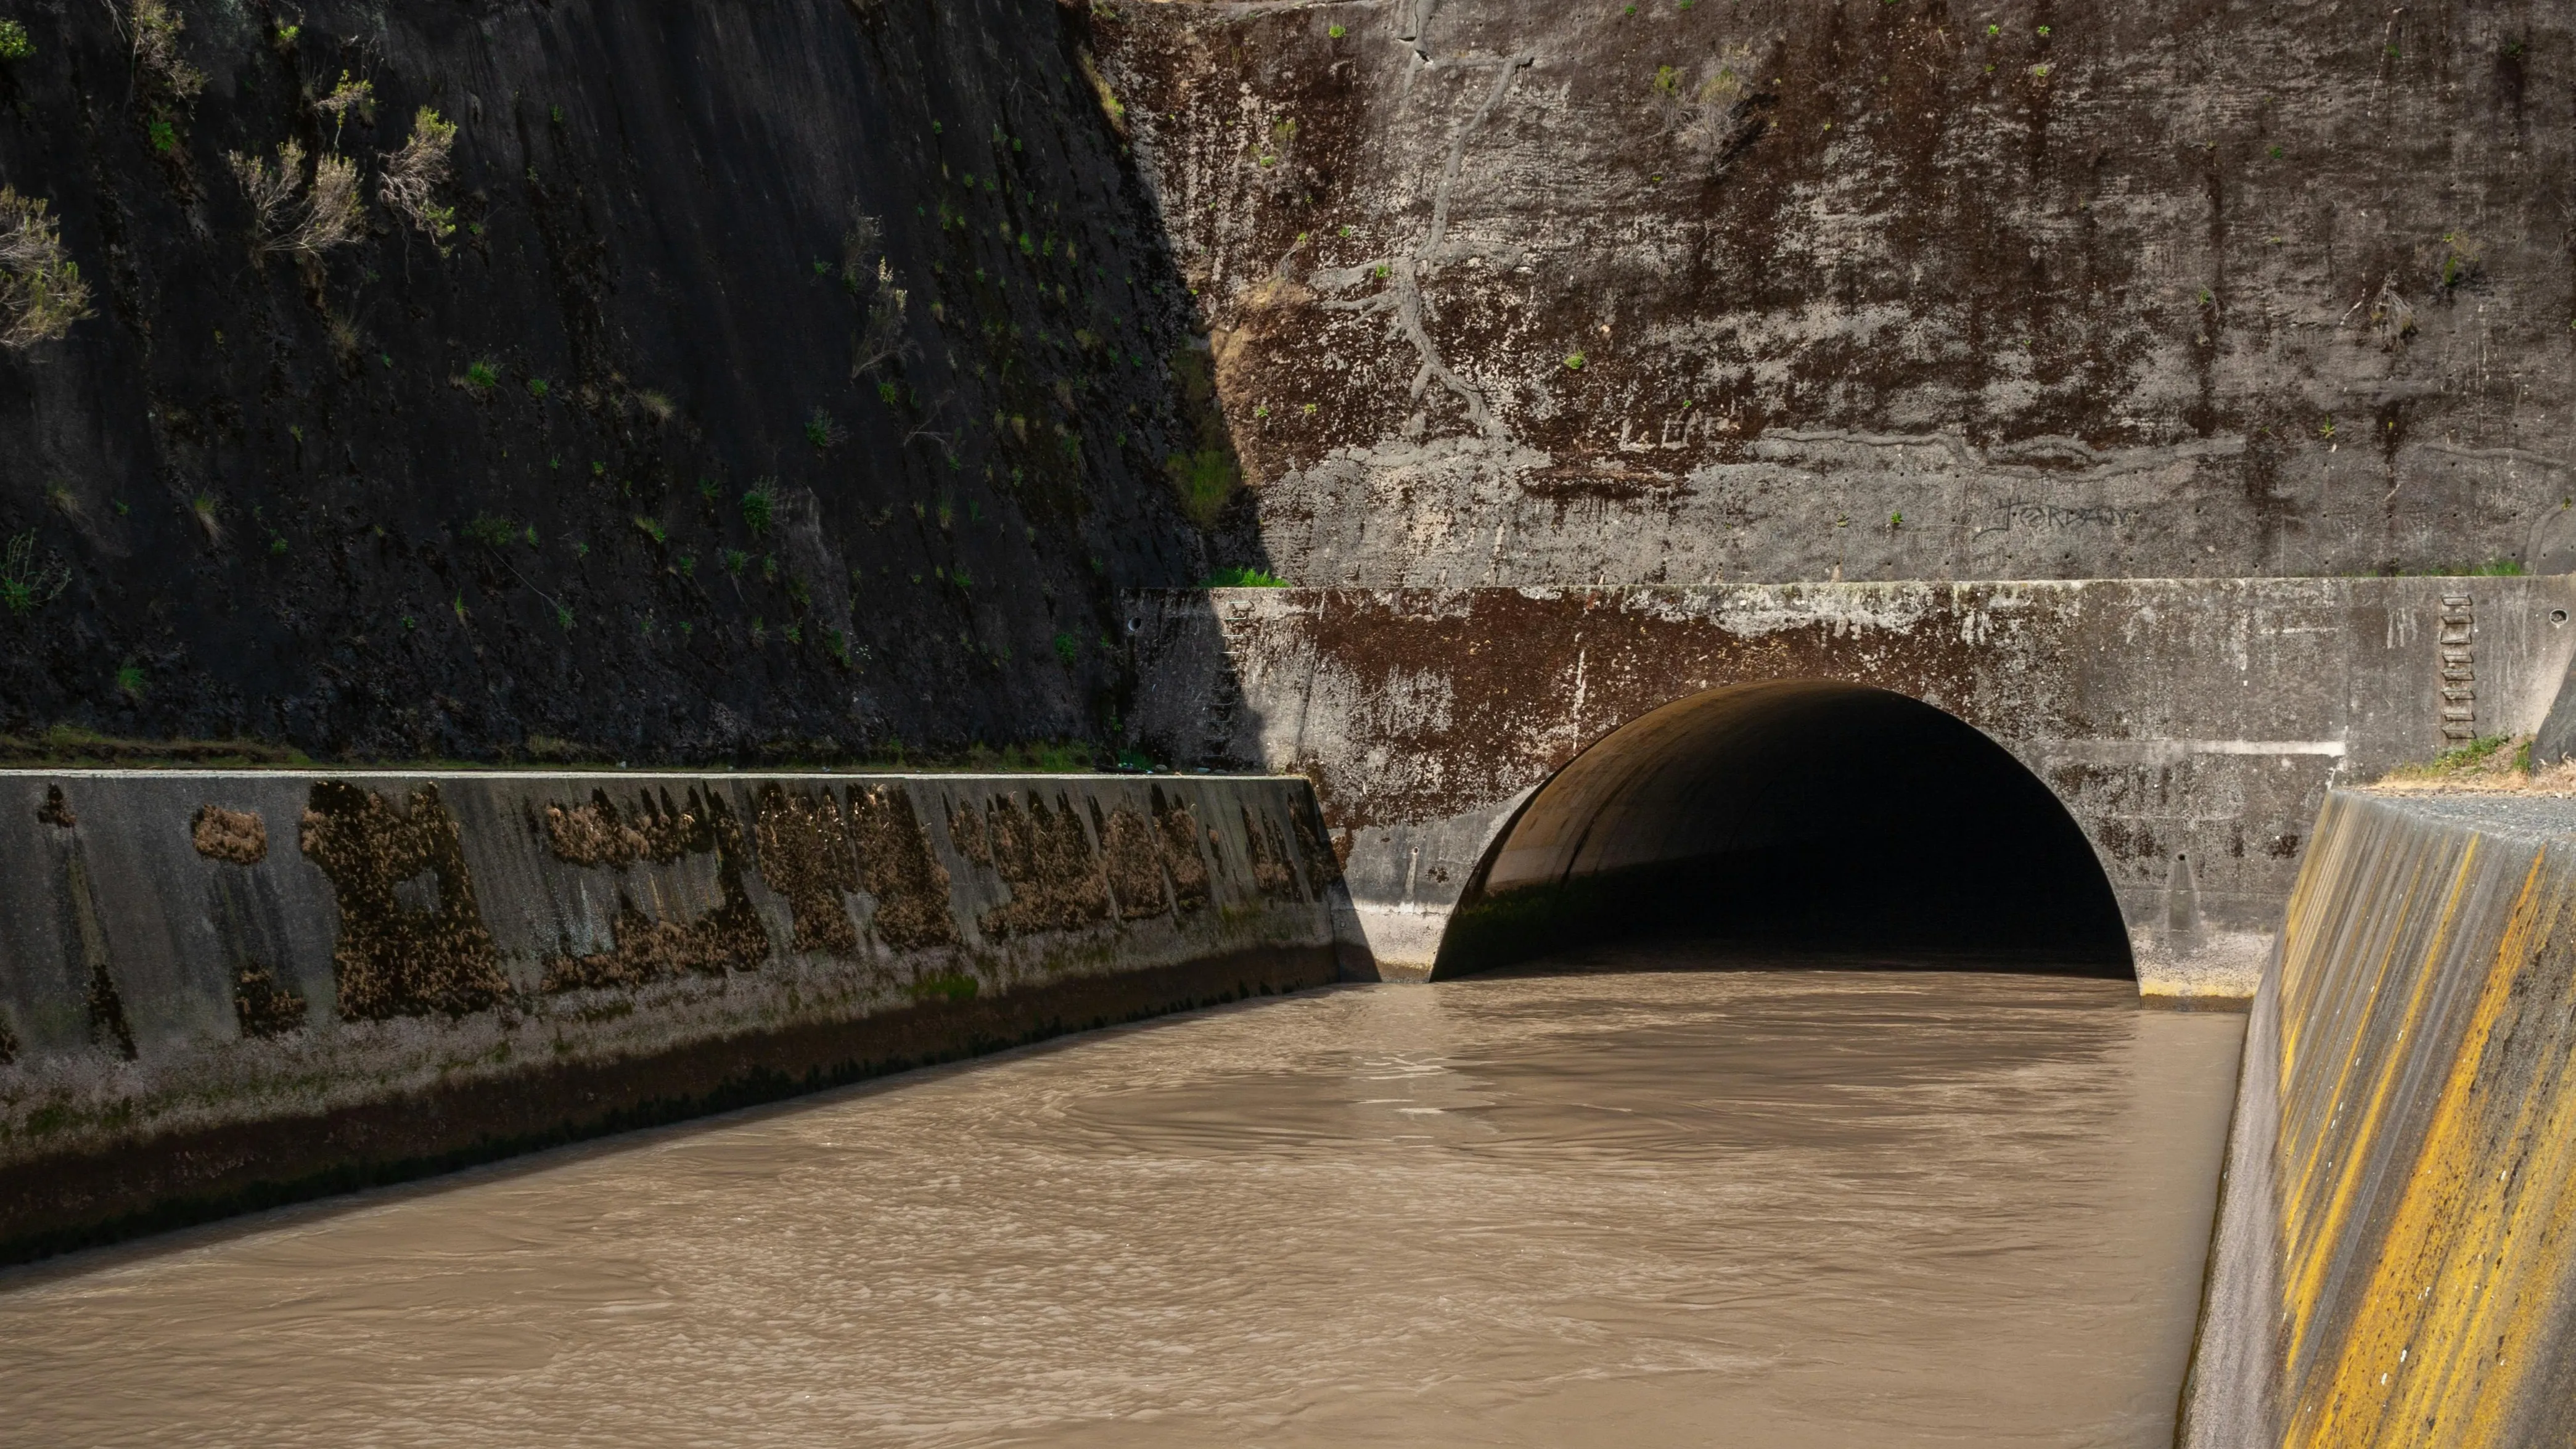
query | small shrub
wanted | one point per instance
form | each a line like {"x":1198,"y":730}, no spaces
{"x":1241,"y":576}
{"x":482,"y":376}
{"x":821,"y":431}
{"x":41,"y":291}
{"x":651,"y":527}
{"x":413,"y":175}
{"x":14,"y":44}
{"x":1574,"y":362}
{"x":1338,"y":30}
{"x":2459,"y":262}
{"x":291,"y":215}
{"x":1205,"y":480}
{"x":563,"y":618}
{"x":27,"y":582}
{"x":350,"y":95}
{"x":154,"y":29}
{"x":161,"y":136}
{"x":537,"y":388}
{"x":1110,"y":105}
{"x":2498,"y":568}
{"x":1068,"y":649}
{"x":494,"y":531}
{"x":130,"y":681}
{"x":882,"y":340}
{"x":687,"y":564}
{"x":656,"y":405}
{"x":759,"y":508}
{"x":731,"y":560}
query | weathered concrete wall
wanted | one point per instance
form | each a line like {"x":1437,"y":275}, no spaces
{"x":2394,"y":1264}
{"x":2191,"y":727}
{"x":218,"y":988}
{"x":1740,"y":292}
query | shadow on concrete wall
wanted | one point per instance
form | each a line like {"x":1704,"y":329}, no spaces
{"x":1802,"y":814}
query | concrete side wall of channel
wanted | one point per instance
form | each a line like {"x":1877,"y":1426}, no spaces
{"x":2395,"y":1263}
{"x":220,"y":989}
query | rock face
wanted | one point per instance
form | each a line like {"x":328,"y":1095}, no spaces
{"x":804,"y":381}
{"x":791,"y":376}
{"x":1725,"y":291}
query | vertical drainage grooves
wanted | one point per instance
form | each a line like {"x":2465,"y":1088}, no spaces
{"x":1799,"y":815}
{"x":2393,"y":1264}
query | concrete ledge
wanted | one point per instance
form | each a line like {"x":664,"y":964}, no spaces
{"x":222,"y":989}
{"x":2393,"y":1264}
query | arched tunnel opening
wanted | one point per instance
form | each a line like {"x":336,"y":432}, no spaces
{"x":1797,"y":819}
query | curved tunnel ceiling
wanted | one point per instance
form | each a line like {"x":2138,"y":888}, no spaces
{"x":1809,"y":814}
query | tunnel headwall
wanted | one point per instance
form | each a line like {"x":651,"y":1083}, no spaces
{"x":2394,"y":1264}
{"x":2191,"y":727}
{"x":224,"y":989}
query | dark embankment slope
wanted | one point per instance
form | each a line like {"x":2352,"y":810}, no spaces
{"x":796,"y":375}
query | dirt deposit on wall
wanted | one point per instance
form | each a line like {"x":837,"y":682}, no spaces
{"x":56,"y":810}
{"x":239,"y":836}
{"x":1134,"y":859}
{"x":645,"y":947}
{"x":896,"y":866}
{"x":597,"y":834}
{"x":397,"y":957}
{"x":262,"y":1006}
{"x":1046,"y":859}
{"x":805,"y":856}
{"x":1178,"y":831}
{"x":1273,"y":868}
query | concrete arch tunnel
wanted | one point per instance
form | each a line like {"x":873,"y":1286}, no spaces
{"x":1801,"y":814}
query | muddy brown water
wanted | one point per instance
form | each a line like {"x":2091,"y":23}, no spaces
{"x":1669,"y":1207}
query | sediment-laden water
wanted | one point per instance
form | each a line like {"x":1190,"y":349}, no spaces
{"x":1749,"y":1208}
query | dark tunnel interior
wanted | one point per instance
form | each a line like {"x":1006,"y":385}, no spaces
{"x":1789,"y":818}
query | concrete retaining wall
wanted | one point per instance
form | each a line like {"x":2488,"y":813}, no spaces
{"x":222,"y":988}
{"x":2395,"y":1263}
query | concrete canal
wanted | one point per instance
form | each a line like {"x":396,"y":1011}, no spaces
{"x":1624,"y":1206}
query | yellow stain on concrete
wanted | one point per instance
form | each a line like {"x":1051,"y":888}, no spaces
{"x":2364,"y":1077}
{"x":2426,"y":1162}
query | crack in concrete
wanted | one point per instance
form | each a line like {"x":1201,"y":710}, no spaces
{"x":1403,"y":295}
